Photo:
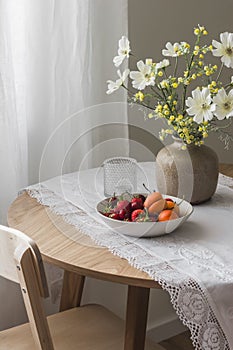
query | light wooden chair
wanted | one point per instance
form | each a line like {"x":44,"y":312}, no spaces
{"x":89,"y":327}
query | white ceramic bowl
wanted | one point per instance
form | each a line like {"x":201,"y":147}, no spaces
{"x":146,"y":229}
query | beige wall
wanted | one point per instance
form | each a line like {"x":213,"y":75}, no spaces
{"x":152,"y":23}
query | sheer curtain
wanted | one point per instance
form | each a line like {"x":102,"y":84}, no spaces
{"x":55,"y":58}
{"x":13,"y":124}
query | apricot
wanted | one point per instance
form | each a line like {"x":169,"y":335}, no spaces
{"x":154,"y":203}
{"x":151,"y":198}
{"x":156,"y":207}
{"x":167,"y":214}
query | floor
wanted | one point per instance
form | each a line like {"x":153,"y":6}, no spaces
{"x":179,"y":342}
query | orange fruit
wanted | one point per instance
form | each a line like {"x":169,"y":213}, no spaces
{"x":170,"y":205}
{"x":167,"y":214}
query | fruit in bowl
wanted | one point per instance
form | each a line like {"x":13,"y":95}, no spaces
{"x":156,"y":213}
{"x":141,"y":208}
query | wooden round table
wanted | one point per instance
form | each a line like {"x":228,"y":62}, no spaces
{"x":82,"y":258}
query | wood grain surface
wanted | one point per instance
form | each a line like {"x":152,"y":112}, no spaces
{"x":81,"y":256}
{"x":226,"y":169}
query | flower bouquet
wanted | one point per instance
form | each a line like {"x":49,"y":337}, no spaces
{"x":187,"y":93}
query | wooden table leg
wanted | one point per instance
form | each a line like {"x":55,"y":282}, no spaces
{"x":71,"y":290}
{"x":136,"y":318}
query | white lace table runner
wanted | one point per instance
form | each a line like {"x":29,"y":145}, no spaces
{"x":194,"y":263}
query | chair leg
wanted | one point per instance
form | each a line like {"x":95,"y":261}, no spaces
{"x":136,"y":318}
{"x":72,"y":290}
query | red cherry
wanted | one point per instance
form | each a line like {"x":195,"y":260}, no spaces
{"x":169,"y":199}
{"x":143,"y":198}
{"x":137,"y":204}
{"x":106,"y":214}
{"x":122,"y":214}
{"x":114,"y":216}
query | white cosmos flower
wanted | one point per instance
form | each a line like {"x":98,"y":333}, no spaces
{"x":163,"y":64}
{"x":200,"y":105}
{"x":172,"y":50}
{"x":224,"y":104}
{"x":114,"y":85}
{"x":123,"y":51}
{"x":232,"y":80}
{"x":143,"y":77}
{"x":224,"y":49}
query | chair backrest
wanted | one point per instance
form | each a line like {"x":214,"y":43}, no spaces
{"x":20,"y":261}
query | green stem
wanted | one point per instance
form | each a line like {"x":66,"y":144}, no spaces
{"x":142,"y":104}
{"x":220,"y":71}
{"x":125,"y":87}
{"x":165,"y":73}
{"x":228,"y":86}
{"x":134,"y":56}
{"x":137,"y":102}
{"x":166,"y":101}
{"x":176,"y":65}
{"x":188,"y":69}
{"x":156,"y":93}
{"x":184,"y":98}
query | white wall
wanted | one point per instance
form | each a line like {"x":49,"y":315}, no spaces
{"x":152,"y":23}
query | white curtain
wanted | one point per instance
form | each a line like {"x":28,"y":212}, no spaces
{"x":13,"y":134}
{"x":55,"y":58}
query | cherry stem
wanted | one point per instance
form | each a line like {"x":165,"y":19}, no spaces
{"x":180,"y":201}
{"x":129,"y":194}
{"x":146,"y":188}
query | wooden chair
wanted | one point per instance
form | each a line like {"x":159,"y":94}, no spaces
{"x":89,"y":327}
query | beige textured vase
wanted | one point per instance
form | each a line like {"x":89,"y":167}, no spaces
{"x":191,"y":174}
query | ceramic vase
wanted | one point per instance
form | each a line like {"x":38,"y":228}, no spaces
{"x":191,"y":174}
